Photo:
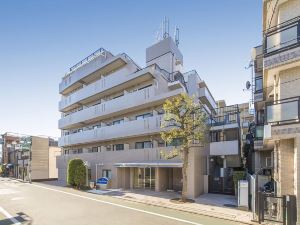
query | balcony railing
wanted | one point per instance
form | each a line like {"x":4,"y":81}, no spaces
{"x":225,"y":115}
{"x":282,"y":37}
{"x":127,"y":129}
{"x":283,"y":111}
{"x":101,"y":85}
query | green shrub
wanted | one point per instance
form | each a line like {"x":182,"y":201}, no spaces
{"x":76,"y":173}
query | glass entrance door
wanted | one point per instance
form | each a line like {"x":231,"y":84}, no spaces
{"x":144,"y":178}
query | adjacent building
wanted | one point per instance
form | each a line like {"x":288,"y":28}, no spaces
{"x":229,"y":125}
{"x":276,"y":97}
{"x":30,"y":157}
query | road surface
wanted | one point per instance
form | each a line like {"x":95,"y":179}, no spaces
{"x":44,"y":204}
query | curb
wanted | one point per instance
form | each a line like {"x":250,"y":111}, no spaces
{"x":198,"y":212}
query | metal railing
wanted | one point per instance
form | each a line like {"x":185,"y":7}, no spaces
{"x":87,"y":59}
{"x":282,"y":37}
{"x":283,"y":111}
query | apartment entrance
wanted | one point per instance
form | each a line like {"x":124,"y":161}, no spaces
{"x":144,"y":178}
{"x":220,"y":178}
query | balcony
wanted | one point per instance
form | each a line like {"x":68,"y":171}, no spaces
{"x":206,"y":97}
{"x":128,"y":103}
{"x":106,"y":85}
{"x":283,"y":39}
{"x":127,"y":129}
{"x":226,"y":118}
{"x":88,"y":69}
{"x":224,"y":148}
{"x":284,"y":111}
{"x":129,"y":156}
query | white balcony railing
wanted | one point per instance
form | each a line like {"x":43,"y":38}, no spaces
{"x":205,"y":93}
{"x":103,"y":84}
{"x":87,"y":67}
{"x":224,"y":148}
{"x":126,"y":103}
{"x":126,"y":129}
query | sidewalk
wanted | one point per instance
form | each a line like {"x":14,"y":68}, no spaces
{"x":208,"y":204}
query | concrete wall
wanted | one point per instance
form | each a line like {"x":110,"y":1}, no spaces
{"x":40,"y":158}
{"x":53,"y":153}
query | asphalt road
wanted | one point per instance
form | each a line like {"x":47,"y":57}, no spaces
{"x":44,"y":204}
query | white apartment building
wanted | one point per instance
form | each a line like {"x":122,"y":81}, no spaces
{"x":111,"y":115}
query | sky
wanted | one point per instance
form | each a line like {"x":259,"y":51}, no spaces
{"x":40,"y":40}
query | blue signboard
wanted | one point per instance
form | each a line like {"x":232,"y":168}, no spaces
{"x":102,"y":180}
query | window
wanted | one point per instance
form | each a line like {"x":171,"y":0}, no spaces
{"x":143,"y":116}
{"x":79,"y":151}
{"x":106,"y":173}
{"x":66,"y":152}
{"x":144,"y":144}
{"x":108,"y":148}
{"x":118,"y":121}
{"x":93,"y":149}
{"x":258,"y":84}
{"x":118,"y":147}
{"x":175,"y":142}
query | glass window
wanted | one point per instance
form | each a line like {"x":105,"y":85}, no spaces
{"x":139,"y":145}
{"x":118,"y":121}
{"x":258,"y":84}
{"x":143,"y":116}
{"x":106,"y":173}
{"x":95,"y":149}
{"x":118,"y":147}
{"x":175,"y":142}
{"x":144,"y":144}
{"x":79,"y":150}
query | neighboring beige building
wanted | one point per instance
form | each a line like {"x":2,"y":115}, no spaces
{"x":229,"y":125}
{"x":32,"y":157}
{"x":111,"y":115}
{"x":277,"y":104}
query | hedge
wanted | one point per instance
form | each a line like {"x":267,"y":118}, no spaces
{"x":76,"y":173}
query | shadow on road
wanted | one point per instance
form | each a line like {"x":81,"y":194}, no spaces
{"x":21,"y":218}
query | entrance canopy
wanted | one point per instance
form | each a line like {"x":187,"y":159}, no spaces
{"x":163,"y":164}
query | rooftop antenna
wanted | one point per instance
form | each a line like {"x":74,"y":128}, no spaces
{"x":165,"y":28}
{"x":176,"y":36}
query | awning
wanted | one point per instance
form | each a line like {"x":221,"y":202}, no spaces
{"x":149,"y":164}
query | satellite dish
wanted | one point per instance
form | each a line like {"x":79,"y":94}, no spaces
{"x":248,"y":85}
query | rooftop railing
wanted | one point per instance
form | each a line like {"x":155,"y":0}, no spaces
{"x":95,"y":54}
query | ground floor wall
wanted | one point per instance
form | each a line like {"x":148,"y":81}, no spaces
{"x":166,"y":177}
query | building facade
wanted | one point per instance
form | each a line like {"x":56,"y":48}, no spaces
{"x":229,"y":126}
{"x":111,"y":117}
{"x":30,"y":157}
{"x":277,"y":76}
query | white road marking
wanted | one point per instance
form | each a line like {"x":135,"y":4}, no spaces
{"x":12,"y":219}
{"x":118,"y":205}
